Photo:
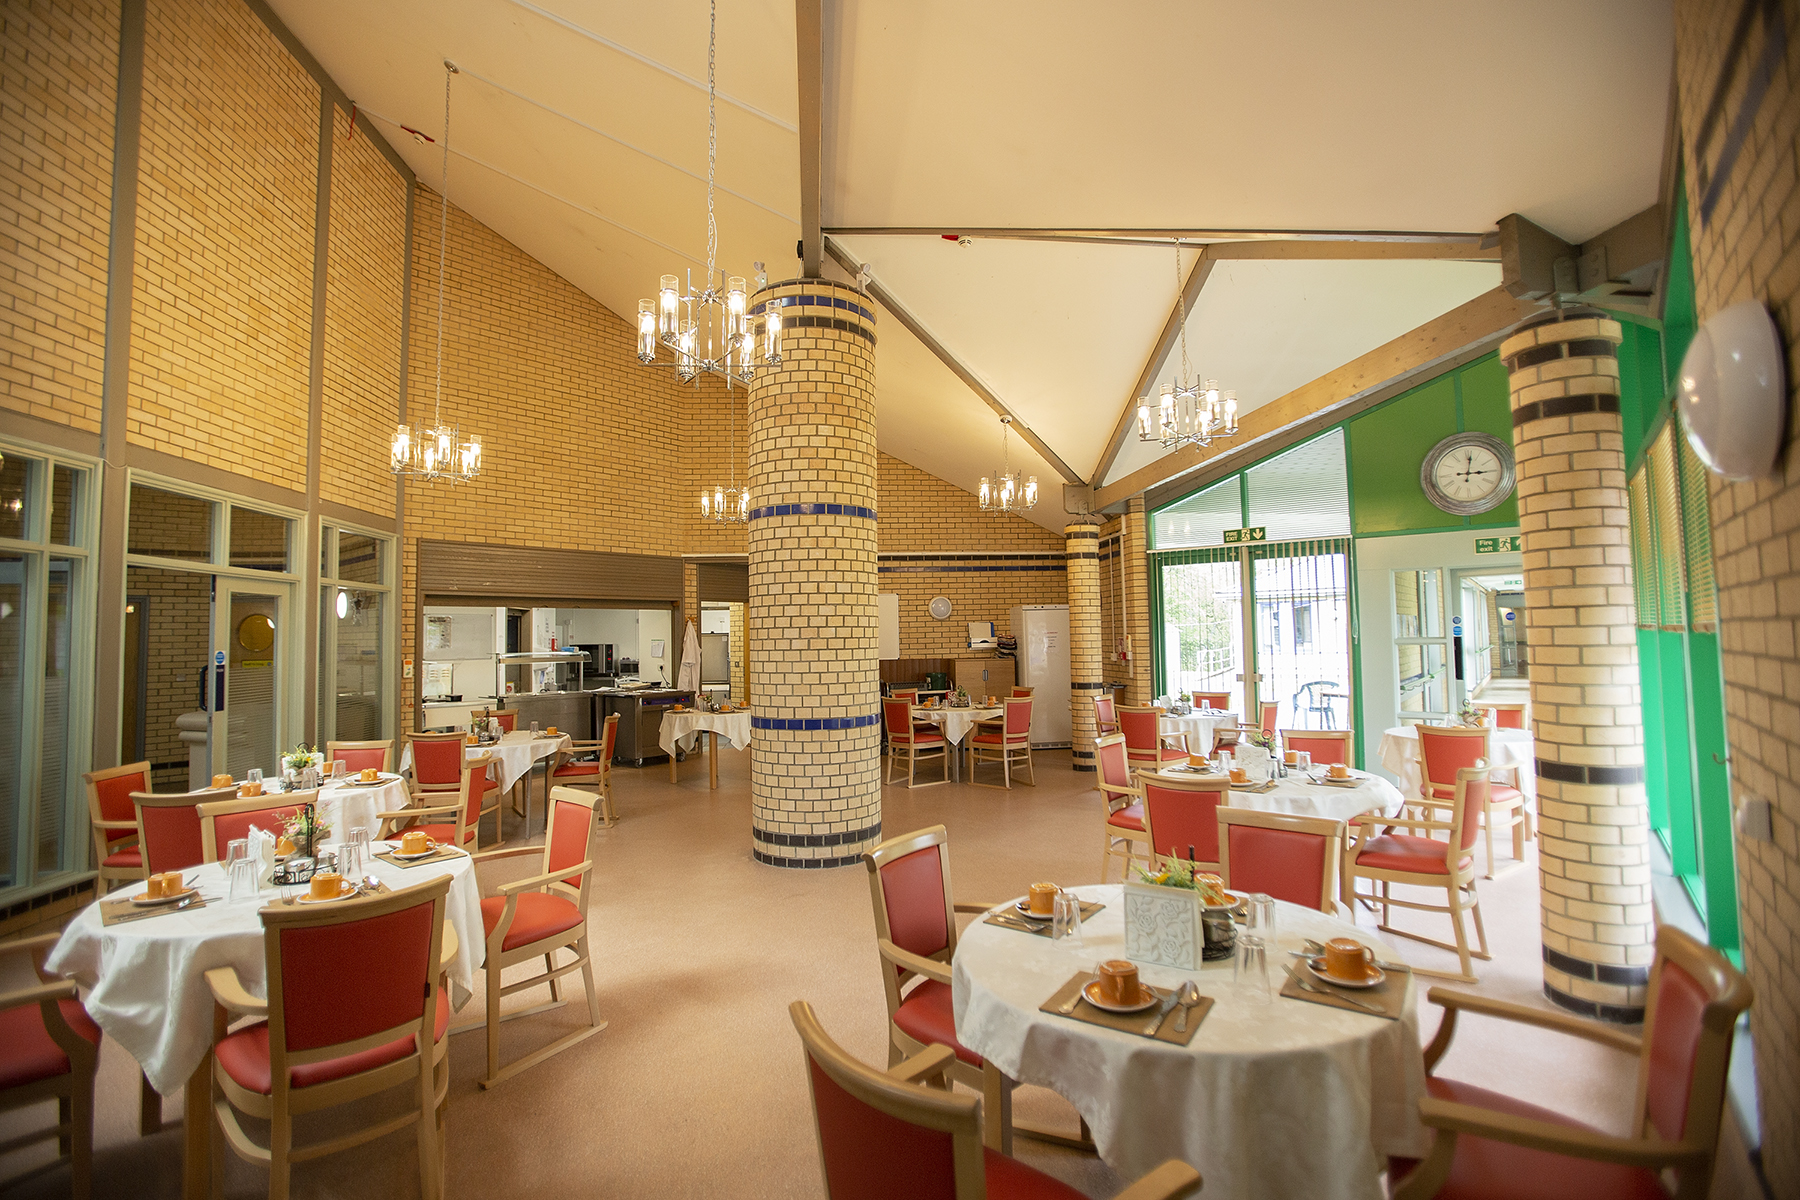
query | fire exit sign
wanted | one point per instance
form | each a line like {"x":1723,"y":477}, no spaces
{"x":1499,"y":545}
{"x":1252,"y":533}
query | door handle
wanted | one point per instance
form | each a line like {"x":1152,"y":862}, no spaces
{"x":219,"y":688}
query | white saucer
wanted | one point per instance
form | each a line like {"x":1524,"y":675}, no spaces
{"x":1023,"y":908}
{"x":1091,"y":993}
{"x":152,"y":902}
{"x":397,"y":853}
{"x":1318,"y":970}
{"x":1237,"y":901}
{"x":347,"y":890}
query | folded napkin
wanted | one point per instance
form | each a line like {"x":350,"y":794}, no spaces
{"x":262,"y":851}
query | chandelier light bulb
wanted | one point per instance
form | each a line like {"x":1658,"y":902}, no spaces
{"x":736,"y":306}
{"x":668,"y":307}
{"x":1031,"y":492}
{"x":1144,"y":417}
{"x":646,"y":331}
{"x":772,"y":336}
{"x":401,"y":451}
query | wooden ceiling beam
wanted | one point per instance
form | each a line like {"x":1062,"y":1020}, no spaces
{"x":1413,"y":355}
{"x":1142,"y":236}
{"x":809,"y":55}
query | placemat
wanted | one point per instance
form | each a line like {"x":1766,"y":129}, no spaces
{"x":443,"y":852}
{"x":1006,"y":920}
{"x":1135,"y":1023}
{"x":119,"y":912}
{"x":1267,"y":785}
{"x":1389,"y":994}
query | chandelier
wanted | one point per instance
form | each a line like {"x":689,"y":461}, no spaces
{"x":1008,"y":491}
{"x":1187,"y":413}
{"x":437,"y":451}
{"x":710,"y":328}
{"x":727,"y":504}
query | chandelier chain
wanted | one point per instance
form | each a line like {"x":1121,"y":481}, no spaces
{"x":1181,"y":309}
{"x":443,"y":230}
{"x":712,"y":144}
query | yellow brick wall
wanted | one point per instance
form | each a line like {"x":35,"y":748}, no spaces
{"x":1749,"y":248}
{"x":365,"y":282}
{"x":58,"y":72}
{"x":227,"y":187}
{"x":921,"y":512}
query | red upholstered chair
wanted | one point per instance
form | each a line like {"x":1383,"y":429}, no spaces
{"x":1122,"y":835}
{"x":1144,"y":744}
{"x":1683,"y":1052}
{"x":1183,"y":812}
{"x":536,"y":917}
{"x":1005,"y":746}
{"x":169,"y":827}
{"x":113,"y":819}
{"x":437,"y":767}
{"x":457,"y":812}
{"x":355,"y":1006}
{"x":506,"y":718}
{"x":224,"y":821}
{"x":907,"y":740}
{"x":1507,"y":716}
{"x":1106,"y":718}
{"x":1023,"y":693}
{"x":1289,"y":857}
{"x":1444,"y":752}
{"x":915,"y":934}
{"x":589,"y":764}
{"x":1325,"y":745}
{"x":1424,"y":862}
{"x":1266,"y":724}
{"x":902,"y":1133}
{"x":1218,"y":701}
{"x":360,"y":756}
{"x":49,"y":1049}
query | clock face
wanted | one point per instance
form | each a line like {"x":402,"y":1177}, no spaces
{"x":1468,"y":473}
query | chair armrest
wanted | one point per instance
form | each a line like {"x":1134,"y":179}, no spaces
{"x":37,"y":993}
{"x":42,"y":941}
{"x":431,"y":811}
{"x":930,"y":1062}
{"x":930,"y":968}
{"x":976,"y":908}
{"x":451,"y":947}
{"x":1574,"y":1141}
{"x":1171,"y":1181}
{"x":509,"y":852}
{"x":1452,"y":1002}
{"x":228,"y":993}
{"x":1410,"y":822}
{"x":131,"y":825}
{"x":538,"y":881}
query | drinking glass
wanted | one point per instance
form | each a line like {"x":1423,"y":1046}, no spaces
{"x":1259,"y":919}
{"x":1255,"y":941}
{"x":337,"y":768}
{"x":534,"y":730}
{"x":1303,"y":760}
{"x":253,"y":775}
{"x":1065,"y":919}
{"x":235,"y":849}
{"x":243,"y":880}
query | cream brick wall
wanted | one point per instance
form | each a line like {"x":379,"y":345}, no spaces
{"x":1086,"y":670}
{"x":1750,"y":249}
{"x":58,"y":90}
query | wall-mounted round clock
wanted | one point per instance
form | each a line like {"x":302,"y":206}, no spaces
{"x":940,"y":607}
{"x":1468,"y":473}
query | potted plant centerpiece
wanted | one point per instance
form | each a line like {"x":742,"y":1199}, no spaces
{"x":299,"y":759}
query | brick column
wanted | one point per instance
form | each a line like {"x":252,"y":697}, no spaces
{"x":1086,"y":664}
{"x":1134,"y":546}
{"x":1593,"y":825}
{"x":689,"y":611}
{"x":815,"y":777}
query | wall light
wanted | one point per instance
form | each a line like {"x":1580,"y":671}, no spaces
{"x":1732,"y":392}
{"x":343,"y":604}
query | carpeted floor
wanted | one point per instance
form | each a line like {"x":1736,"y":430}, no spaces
{"x":696,"y":1087}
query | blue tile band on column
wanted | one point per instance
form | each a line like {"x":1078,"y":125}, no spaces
{"x":809,"y":299}
{"x":815,"y":722}
{"x":813,"y":510}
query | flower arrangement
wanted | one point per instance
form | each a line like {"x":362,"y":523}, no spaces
{"x":301,"y":757}
{"x":1178,"y":874}
{"x":1470,"y":716}
{"x":1259,"y":737}
{"x":960,"y":699}
{"x":303,"y":827}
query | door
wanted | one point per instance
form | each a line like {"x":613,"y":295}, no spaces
{"x":1421,"y":648}
{"x":1203,"y":625}
{"x":1302,"y":649}
{"x":244,"y":692}
{"x":715,"y":658}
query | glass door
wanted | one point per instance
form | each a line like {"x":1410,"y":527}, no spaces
{"x":1203,"y":625}
{"x":1302,"y":592}
{"x":245,"y":688}
{"x":1421,"y":647}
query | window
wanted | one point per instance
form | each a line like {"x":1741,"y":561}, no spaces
{"x":355,"y":608}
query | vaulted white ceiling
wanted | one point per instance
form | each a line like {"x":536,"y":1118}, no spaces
{"x":579,"y":131}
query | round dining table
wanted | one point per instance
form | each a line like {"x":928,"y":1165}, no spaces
{"x":956,"y":724}
{"x":1199,"y":726}
{"x":1303,"y":796}
{"x":1271,"y":1098}
{"x":348,"y":806}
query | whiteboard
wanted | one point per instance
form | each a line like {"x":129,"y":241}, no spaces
{"x":888,"y":619}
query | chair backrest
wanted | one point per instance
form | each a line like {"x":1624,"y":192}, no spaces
{"x":109,"y":797}
{"x":1267,"y":724}
{"x":1018,"y":718}
{"x":360,"y":756}
{"x":898,"y":715}
{"x":1022,"y":691}
{"x":1289,"y":857}
{"x":1105,"y":718}
{"x":1325,"y":745}
{"x":437,"y":759}
{"x":1139,"y":725}
{"x":566,"y":839}
{"x":1695,"y":999}
{"x":910,"y":694}
{"x":1183,"y":813}
{"x":224,"y":821}
{"x":884,"y":1139}
{"x":1507,"y":716}
{"x":348,"y":977}
{"x":508,"y":718}
{"x":1473,"y":788}
{"x":609,"y":739}
{"x":909,"y":884}
{"x":169,"y":827}
{"x":1444,"y":752}
{"x":1215,"y":700}
{"x":1115,"y":768}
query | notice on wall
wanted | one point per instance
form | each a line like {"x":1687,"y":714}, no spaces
{"x":1499,"y":545}
{"x":437,"y":633}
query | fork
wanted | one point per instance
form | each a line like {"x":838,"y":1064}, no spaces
{"x":1319,"y":991}
{"x":1069,"y":1004}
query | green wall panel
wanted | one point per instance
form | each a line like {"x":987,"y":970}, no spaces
{"x":1487,"y":407}
{"x":1640,"y":389}
{"x":1387,"y":444}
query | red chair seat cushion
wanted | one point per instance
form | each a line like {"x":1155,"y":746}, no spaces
{"x":1164,"y":754}
{"x":1404,"y":852}
{"x":1490,"y":1170}
{"x":589,"y":769}
{"x":1129,"y":817}
{"x":1010,"y":1179}
{"x":920,"y":739}
{"x":444,"y":834}
{"x":1499,"y":793}
{"x":996,"y":739}
{"x":926,"y":1016}
{"x":27,"y":1051}
{"x":244,"y":1056}
{"x":131,"y":857}
{"x":539,"y":915}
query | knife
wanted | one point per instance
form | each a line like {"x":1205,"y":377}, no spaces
{"x":1161,"y":1014}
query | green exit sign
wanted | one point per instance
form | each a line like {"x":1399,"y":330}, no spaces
{"x":1499,"y":545}
{"x":1253,"y":533}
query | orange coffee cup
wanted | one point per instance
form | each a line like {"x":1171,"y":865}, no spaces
{"x":414,"y":841}
{"x":472,"y":740}
{"x":1119,"y":981}
{"x":1348,"y":958}
{"x":551,"y":731}
{"x":368,"y":775}
{"x":221,"y":780}
{"x":1239,"y":775}
{"x":250,"y":788}
{"x":1043,"y":897}
{"x":326,"y":885}
{"x":1338,"y":771}
{"x":1293,"y":757}
{"x":153,"y":888}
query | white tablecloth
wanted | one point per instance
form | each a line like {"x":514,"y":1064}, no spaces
{"x":1508,"y":750}
{"x":514,"y":754}
{"x":956,"y":722}
{"x":683,"y":729}
{"x":1297,"y":795}
{"x":147,"y":978}
{"x":1198,"y":726}
{"x":346,"y":808}
{"x":1285,"y":1098}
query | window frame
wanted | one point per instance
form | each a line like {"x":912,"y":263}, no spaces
{"x":329,"y":580}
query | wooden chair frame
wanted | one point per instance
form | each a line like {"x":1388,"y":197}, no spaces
{"x":1511,"y":812}
{"x":415,"y":785}
{"x":1267,"y":710}
{"x":1456,"y":880}
{"x":1104,"y":704}
{"x":575,"y":939}
{"x":1691,"y":1159}
{"x":1118,"y":798}
{"x":1184,"y":783}
{"x":1205,"y":699}
{"x":917,"y":1090}
{"x":1495,"y":709}
{"x":101,"y":827}
{"x":1164,"y":741}
{"x":913,"y":754}
{"x":473,"y":769}
{"x":211,"y":811}
{"x":194,"y":800}
{"x":428,"y":1072}
{"x":1013,"y":748}
{"x":385,"y":745}
{"x":73,"y":1092}
{"x":1323,"y":827}
{"x":600,"y":776}
{"x":1346,"y":736}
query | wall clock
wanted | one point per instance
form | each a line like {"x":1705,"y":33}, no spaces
{"x":940,"y":607}
{"x":1468,"y":473}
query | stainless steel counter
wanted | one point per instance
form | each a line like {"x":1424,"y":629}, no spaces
{"x":570,"y":712}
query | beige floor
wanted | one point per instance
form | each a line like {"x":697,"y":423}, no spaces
{"x":696,"y":1088}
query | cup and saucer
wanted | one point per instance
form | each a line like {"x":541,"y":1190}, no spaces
{"x":1023,"y":909}
{"x":403,"y":856}
{"x":346,"y":889}
{"x":1346,"y":963}
{"x":1125,"y":979}
{"x":143,"y":901}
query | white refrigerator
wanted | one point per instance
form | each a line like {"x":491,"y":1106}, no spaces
{"x":1042,"y":631}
